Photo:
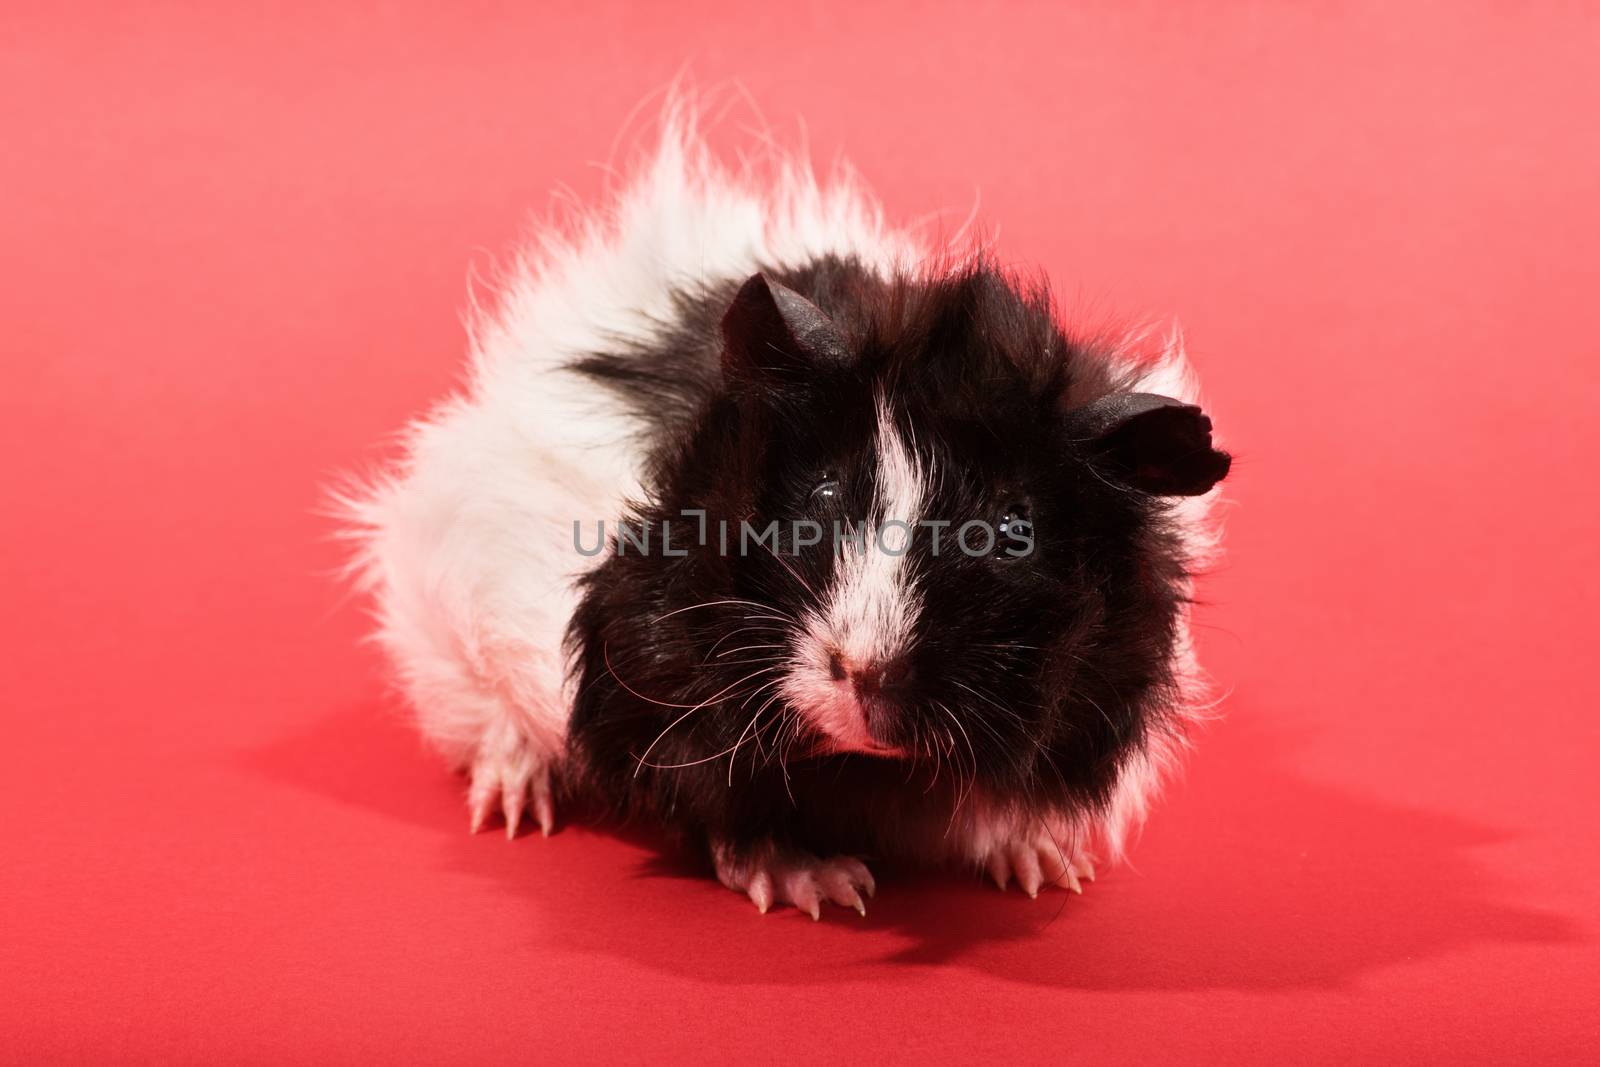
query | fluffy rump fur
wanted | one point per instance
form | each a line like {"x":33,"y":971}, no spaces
{"x":587,"y":398}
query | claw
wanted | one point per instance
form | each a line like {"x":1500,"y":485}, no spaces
{"x":772,"y":876}
{"x":1053,"y":867}
{"x":511,"y":802}
{"x":479,"y":805}
{"x":803,"y":893}
{"x":1036,"y":863}
{"x":1025,"y":862}
{"x":840,"y":886}
{"x":543,"y":811}
{"x":508,"y":768}
{"x":1000,"y":871}
{"x":862,"y":876}
{"x":761,"y":891}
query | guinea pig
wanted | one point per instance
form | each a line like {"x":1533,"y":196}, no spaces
{"x":760,"y":523}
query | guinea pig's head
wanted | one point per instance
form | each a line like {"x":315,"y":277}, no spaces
{"x":976,"y":557}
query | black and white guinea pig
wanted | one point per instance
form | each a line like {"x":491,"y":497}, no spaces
{"x":757,"y":521}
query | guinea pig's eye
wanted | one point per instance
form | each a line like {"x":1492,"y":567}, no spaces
{"x":1013,"y":534}
{"x":826,"y":492}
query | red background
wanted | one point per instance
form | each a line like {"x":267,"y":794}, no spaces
{"x":236,"y":252}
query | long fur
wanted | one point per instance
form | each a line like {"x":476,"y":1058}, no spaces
{"x":466,"y":544}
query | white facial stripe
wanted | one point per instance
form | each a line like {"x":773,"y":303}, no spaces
{"x":869,"y":608}
{"x":873,"y":602}
{"x":871,"y":605}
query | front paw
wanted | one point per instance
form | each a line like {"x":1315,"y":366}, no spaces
{"x":1036,"y":860}
{"x":511,"y":772}
{"x":770,"y":876}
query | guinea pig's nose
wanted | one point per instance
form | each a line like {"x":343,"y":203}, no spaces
{"x":877,"y":678}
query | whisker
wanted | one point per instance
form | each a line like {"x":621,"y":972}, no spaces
{"x":734,"y":751}
{"x":605,"y":654}
{"x":741,"y":630}
{"x":745,"y":648}
{"x":719,"y":755}
{"x":938,"y":763}
{"x":752,"y":694}
{"x":1065,"y":863}
{"x":783,"y":755}
{"x":792,"y":572}
{"x":981,"y":721}
{"x":915,"y":748}
{"x":718,"y":603}
{"x":715,"y":696}
{"x":742,"y":661}
{"x":972,"y":754}
{"x":989,"y":700}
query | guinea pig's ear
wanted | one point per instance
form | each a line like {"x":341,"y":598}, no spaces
{"x":771,"y":331}
{"x":1150,"y":442}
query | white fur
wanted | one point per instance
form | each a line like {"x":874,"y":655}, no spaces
{"x":1145,"y":771}
{"x":465,"y":544}
{"x":867,"y":613}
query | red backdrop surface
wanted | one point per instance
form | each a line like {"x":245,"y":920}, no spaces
{"x":237,"y":248}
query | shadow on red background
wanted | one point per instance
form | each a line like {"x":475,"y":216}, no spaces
{"x":1351,"y":886}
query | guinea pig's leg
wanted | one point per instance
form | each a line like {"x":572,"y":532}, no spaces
{"x":771,"y":874}
{"x":511,"y":770}
{"x":1027,"y":850}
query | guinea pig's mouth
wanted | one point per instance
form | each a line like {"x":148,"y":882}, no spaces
{"x":849,"y":683}
{"x":831,"y":746}
{"x":843,"y":717}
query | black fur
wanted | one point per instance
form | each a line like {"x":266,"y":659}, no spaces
{"x":1056,"y":665}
